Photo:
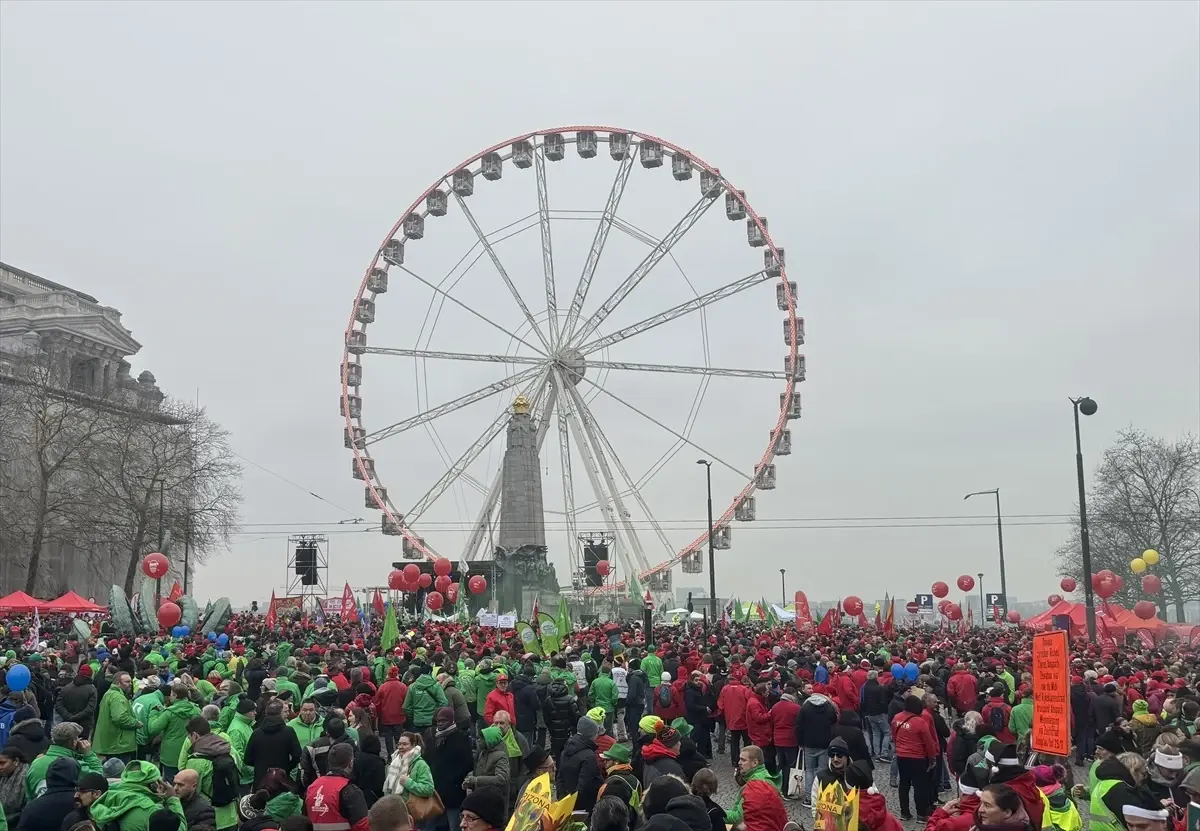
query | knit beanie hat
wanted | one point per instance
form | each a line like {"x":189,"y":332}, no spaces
{"x":587,"y":728}
{"x":661,"y":791}
{"x":649,"y":724}
{"x":488,"y":804}
{"x":492,"y":736}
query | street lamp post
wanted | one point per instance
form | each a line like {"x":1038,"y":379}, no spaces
{"x":712,"y":568}
{"x":982,"y":608}
{"x":1087,"y":406}
{"x":783,"y":588}
{"x":999,"y":539}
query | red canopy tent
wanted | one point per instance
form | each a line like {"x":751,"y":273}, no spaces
{"x":18,"y":601}
{"x":1117,"y":618}
{"x":71,"y":602}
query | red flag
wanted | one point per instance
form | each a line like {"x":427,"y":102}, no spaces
{"x":970,"y":615}
{"x":878,"y":620}
{"x":534,"y":614}
{"x":889,"y":623}
{"x":272,"y":617}
{"x":1146,"y":637}
{"x":826,"y":627}
{"x":996,"y":614}
{"x":1105,"y":635}
{"x":377,"y":604}
{"x":862,"y":620}
{"x":349,"y":607}
{"x":804,"y":621}
{"x":176,"y":592}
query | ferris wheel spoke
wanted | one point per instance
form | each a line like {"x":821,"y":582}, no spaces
{"x":451,"y":406}
{"x":539,"y":167}
{"x":487,"y":246}
{"x":467,"y":308}
{"x":674,"y":433}
{"x":455,"y":356}
{"x":458,"y":470}
{"x":607,"y":218}
{"x":675,"y":312}
{"x":564,"y":455}
{"x":632,"y":489}
{"x":647,"y":265}
{"x":482,"y":530}
{"x":688,"y":370}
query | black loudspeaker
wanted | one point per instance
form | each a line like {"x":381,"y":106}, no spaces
{"x":593,"y":553}
{"x":306,"y":564}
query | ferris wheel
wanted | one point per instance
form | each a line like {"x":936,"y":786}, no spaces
{"x":560,"y":321}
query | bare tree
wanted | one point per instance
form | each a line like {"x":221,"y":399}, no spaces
{"x":50,"y":433}
{"x":170,"y":472}
{"x":1145,"y":494}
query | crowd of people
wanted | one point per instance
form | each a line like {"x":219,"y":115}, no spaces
{"x":317,"y":728}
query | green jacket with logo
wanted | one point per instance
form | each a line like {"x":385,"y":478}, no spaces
{"x":116,"y":725}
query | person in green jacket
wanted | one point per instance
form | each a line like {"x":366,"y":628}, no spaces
{"x":1020,"y":719}
{"x":465,"y":681}
{"x":1114,"y":783}
{"x":485,"y":682}
{"x":757,"y":787}
{"x":603,"y":693}
{"x":149,"y":698}
{"x":66,"y":742}
{"x":206,"y":748}
{"x":131,"y":801}
{"x":116,"y":725}
{"x":170,"y":723}
{"x":239,"y":732}
{"x":233,"y":694}
{"x":308,"y":726}
{"x":285,"y":684}
{"x":408,"y":774}
{"x":425,"y":697}
{"x":652,"y":665}
{"x":1009,"y":681}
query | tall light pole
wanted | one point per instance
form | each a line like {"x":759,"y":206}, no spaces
{"x":712,"y":567}
{"x":783,"y":588}
{"x":982,"y":608}
{"x":999,"y":538}
{"x":1088,"y":407}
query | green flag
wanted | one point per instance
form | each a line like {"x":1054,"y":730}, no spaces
{"x":564,"y":619}
{"x":739,"y":614}
{"x":636,"y":591}
{"x":548,"y":630}
{"x":391,"y":633}
{"x":460,"y":608}
{"x":528,"y":637}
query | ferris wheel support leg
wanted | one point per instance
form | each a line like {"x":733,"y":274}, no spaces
{"x":579,"y":406}
{"x":539,"y":166}
{"x":564,"y":454}
{"x":487,"y":246}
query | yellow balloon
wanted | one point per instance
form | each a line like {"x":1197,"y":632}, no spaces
{"x":1150,"y":556}
{"x":1138,"y":565}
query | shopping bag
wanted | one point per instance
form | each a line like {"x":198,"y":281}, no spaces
{"x":795,"y":785}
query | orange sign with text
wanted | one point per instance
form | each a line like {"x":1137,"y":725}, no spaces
{"x":1051,"y":694}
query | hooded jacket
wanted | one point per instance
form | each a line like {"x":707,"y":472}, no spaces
{"x":731,"y":703}
{"x":579,"y":772}
{"x":814,"y":725}
{"x":660,"y":760}
{"x":425,"y":697}
{"x":912,"y":736}
{"x":492,"y":765}
{"x":963,"y":691}
{"x":849,"y":730}
{"x":28,"y":738}
{"x":77,"y":702}
{"x":964,"y":820}
{"x":759,"y":805}
{"x":202,"y":758}
{"x":784,"y":713}
{"x":35,"y":779}
{"x":873,"y":813}
{"x":47,"y":812}
{"x":561,"y":713}
{"x":758,"y":721}
{"x":682,"y":812}
{"x":389,"y":702}
{"x":130,"y":801}
{"x":116,"y":725}
{"x":171,"y":724}
{"x":273,"y":744}
{"x":875,"y":698}
{"x":603,"y":692}
{"x":1114,"y":787}
{"x":637,"y":684}
{"x":526,"y":703}
{"x":306,"y":734}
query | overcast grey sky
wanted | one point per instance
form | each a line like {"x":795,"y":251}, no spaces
{"x":987,"y":207}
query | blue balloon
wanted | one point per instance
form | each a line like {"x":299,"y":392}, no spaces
{"x":898,"y":672}
{"x":18,"y":678}
{"x":212,"y":636}
{"x":184,"y":631}
{"x":223,"y":641}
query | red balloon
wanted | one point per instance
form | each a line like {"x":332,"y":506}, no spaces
{"x":452,"y":592}
{"x":441,"y":566}
{"x":1068,"y":584}
{"x":169,"y":614}
{"x":1014,"y":616}
{"x":1104,"y":583}
{"x":434,"y":600}
{"x":441,"y":583}
{"x":1120,"y":581}
{"x":1144,"y":609}
{"x":154,"y":566}
{"x":1054,"y":599}
{"x":1151,"y":584}
{"x":424,"y":581}
{"x":396,"y":580}
{"x":602,"y":568}
{"x":954,"y":612}
{"x":852,"y":605}
{"x":412,"y":572}
{"x":477,"y":584}
{"x":912,"y":607}
{"x":940,"y":589}
{"x":966,"y":582}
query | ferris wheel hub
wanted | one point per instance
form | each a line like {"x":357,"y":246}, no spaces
{"x":572,"y":363}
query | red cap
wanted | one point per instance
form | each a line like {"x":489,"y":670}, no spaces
{"x":86,"y":670}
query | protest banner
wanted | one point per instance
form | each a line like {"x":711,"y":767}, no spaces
{"x":1051,"y":693}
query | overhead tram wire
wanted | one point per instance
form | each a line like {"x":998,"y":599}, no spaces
{"x":356,"y":518}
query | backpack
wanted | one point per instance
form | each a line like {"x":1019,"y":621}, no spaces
{"x":7,"y":715}
{"x":663,"y":695}
{"x":997,"y":718}
{"x":225,"y":780}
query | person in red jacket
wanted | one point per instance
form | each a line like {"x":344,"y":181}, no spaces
{"x":1009,"y":771}
{"x":731,"y":703}
{"x":783,"y":727}
{"x":873,"y":814}
{"x":499,"y":699}
{"x":860,"y":675}
{"x":916,"y":753}
{"x":759,"y":727}
{"x":963,"y":690}
{"x":389,"y":708}
{"x":845,"y":691}
{"x":664,"y":692}
{"x":958,"y":814}
{"x":996,"y":714}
